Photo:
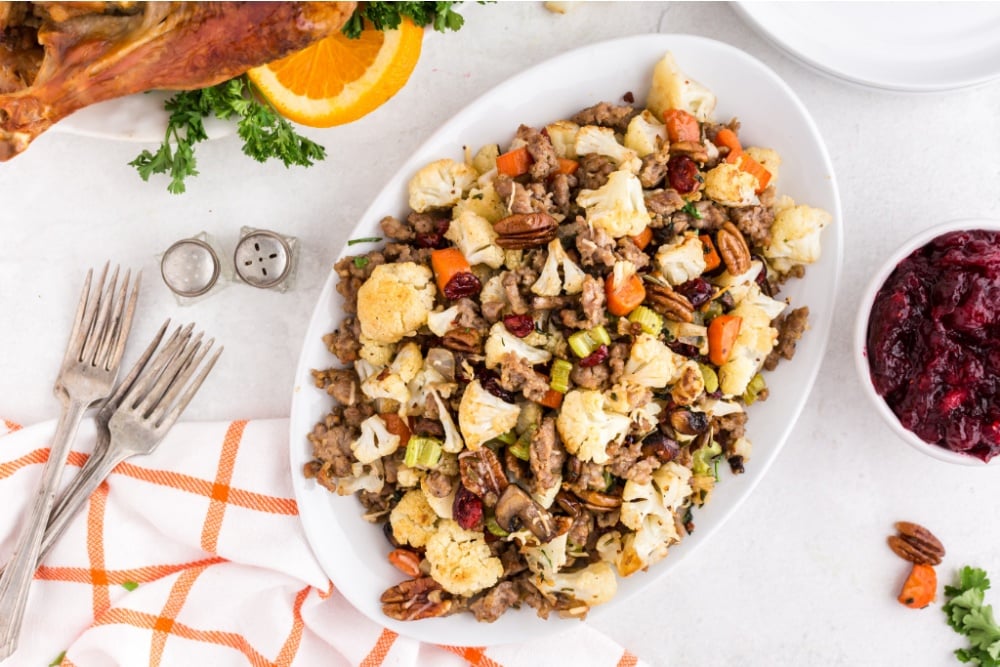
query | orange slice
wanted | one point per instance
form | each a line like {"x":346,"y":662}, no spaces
{"x":337,"y":79}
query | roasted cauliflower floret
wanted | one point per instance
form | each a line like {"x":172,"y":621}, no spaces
{"x":413,"y":520}
{"x":483,"y":201}
{"x":395,"y":300}
{"x":731,"y":186}
{"x":795,"y":235}
{"x":368,"y":477}
{"x":618,"y":207}
{"x":587,"y":427}
{"x":593,"y":585}
{"x":681,"y":260}
{"x":375,"y":441}
{"x":592,"y":139}
{"x":549,"y":283}
{"x":482,"y":416}
{"x":754,"y":342}
{"x":392,"y":382}
{"x":440,"y":184}
{"x":671,"y":89}
{"x":460,"y":559}
{"x":501,"y":341}
{"x":474,"y":236}
{"x":648,"y":509}
{"x":645,"y":134}
{"x":562,"y":133}
{"x":651,"y":363}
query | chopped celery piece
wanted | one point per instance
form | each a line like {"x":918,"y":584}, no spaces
{"x":702,"y":460}
{"x":649,"y":320}
{"x":583,"y":343}
{"x":600,"y":334}
{"x":422,"y":452}
{"x":522,"y":448}
{"x":710,"y":377}
{"x":559,"y":380}
{"x":508,"y":438}
{"x":755,"y":386}
{"x":494,"y":527}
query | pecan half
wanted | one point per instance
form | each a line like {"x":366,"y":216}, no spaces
{"x":463,"y":339}
{"x":672,"y":305}
{"x":689,"y":386}
{"x":693,"y":149}
{"x":916,"y":544}
{"x":733,"y":249}
{"x":482,"y":474}
{"x":415,"y":599}
{"x":525,"y":230}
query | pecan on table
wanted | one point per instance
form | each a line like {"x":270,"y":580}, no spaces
{"x":733,"y":249}
{"x":916,"y":544}
{"x":525,"y":230}
{"x":672,"y":305}
{"x":415,"y":599}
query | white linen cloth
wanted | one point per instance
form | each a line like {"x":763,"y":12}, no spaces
{"x":195,"y":555}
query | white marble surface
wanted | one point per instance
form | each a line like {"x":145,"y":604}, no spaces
{"x":800,"y":574}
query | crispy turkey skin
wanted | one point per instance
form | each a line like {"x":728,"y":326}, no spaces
{"x":58,"y":57}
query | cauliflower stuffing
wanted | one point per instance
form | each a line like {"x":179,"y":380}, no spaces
{"x":460,"y":559}
{"x":395,"y":300}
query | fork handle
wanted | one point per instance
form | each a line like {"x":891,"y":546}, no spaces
{"x":76,"y":495}
{"x":17,"y":576}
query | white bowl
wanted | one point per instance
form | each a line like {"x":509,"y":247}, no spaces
{"x":861,"y":334}
{"x":352,"y":551}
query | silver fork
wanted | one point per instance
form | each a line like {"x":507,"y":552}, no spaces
{"x":93,"y":355}
{"x":137,"y":417}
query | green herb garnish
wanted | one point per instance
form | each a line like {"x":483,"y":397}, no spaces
{"x":130,"y":585}
{"x":387,"y":16}
{"x":265,"y":133}
{"x":968,"y":616}
{"x":367,"y":239}
{"x":361,"y":262}
{"x":58,"y":660}
{"x":691,"y":210}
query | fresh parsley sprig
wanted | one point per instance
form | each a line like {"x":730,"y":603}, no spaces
{"x":969,"y":616}
{"x":387,"y":15}
{"x":265,"y":133}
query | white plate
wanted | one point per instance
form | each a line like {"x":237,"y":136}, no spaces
{"x":138,"y":117}
{"x":903,"y":46}
{"x":353,"y":552}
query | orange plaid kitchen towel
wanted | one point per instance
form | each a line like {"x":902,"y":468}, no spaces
{"x":195,"y":556}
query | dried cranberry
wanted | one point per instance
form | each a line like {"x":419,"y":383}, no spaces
{"x":683,"y":349}
{"x":697,"y":290}
{"x":519,"y":325}
{"x":761,"y":278}
{"x":462,"y":285}
{"x":628,"y":97}
{"x":436,"y":238}
{"x":682,"y":173}
{"x":595,"y":357}
{"x":491,"y":383}
{"x":467,"y":508}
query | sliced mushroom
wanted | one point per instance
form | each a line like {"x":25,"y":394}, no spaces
{"x":659,"y":446}
{"x":689,"y":422}
{"x":516,"y":508}
{"x":599,"y":502}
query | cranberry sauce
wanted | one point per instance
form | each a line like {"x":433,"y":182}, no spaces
{"x":934,"y":342}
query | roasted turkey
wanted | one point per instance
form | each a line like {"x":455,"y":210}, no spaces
{"x":57,"y":57}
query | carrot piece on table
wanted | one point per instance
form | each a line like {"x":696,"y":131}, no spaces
{"x":552,"y":399}
{"x":406,"y":561}
{"x":726,"y":137}
{"x":395,"y":425}
{"x":567,"y":166}
{"x":712,"y":259}
{"x":642,"y":239}
{"x":920,"y":588}
{"x":515,"y":162}
{"x":446,"y":263}
{"x":625,"y":296}
{"x":722,"y":333}
{"x":681,"y":126}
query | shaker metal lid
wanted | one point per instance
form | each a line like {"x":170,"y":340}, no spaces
{"x":262,"y":258}
{"x":190,"y":267}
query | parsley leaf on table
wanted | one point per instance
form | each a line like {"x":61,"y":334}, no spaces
{"x":968,"y":615}
{"x":265,"y":133}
